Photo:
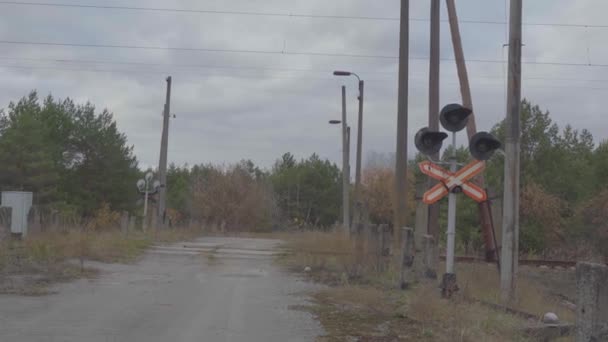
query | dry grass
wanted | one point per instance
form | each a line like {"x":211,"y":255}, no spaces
{"x":42,"y":259}
{"x":331,"y":256}
{"x":459,"y":320}
{"x":365,"y":302}
{"x":482,"y":282}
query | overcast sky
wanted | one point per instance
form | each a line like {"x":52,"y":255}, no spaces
{"x":235,"y":105}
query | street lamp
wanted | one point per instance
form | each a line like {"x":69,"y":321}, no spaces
{"x":345,"y":171}
{"x":147,"y":188}
{"x":359,"y":136}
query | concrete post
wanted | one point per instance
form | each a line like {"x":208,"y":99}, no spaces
{"x":358,"y":230}
{"x":373,"y":244}
{"x":345,"y":167}
{"x":34,"y":221}
{"x":422,"y":214}
{"x":591,"y":302}
{"x":153,"y":222}
{"x":5,"y":222}
{"x":385,"y":246}
{"x":124,"y":222}
{"x":131,"y":224}
{"x":509,"y":259}
{"x":162,"y":162}
{"x":400,"y":210}
{"x":430,"y":257}
{"x":407,"y":274}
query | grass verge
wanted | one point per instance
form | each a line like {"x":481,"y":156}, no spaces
{"x":362,"y":303}
{"x":28,"y":267}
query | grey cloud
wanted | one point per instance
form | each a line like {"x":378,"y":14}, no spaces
{"x":224,"y":115}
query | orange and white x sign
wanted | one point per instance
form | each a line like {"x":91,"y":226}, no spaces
{"x":448,"y":181}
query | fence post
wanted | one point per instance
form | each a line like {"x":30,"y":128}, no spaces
{"x":359,"y":231}
{"x":124,"y":222}
{"x":34,"y":220}
{"x":407,"y":276}
{"x":422,"y":215}
{"x":54,"y":221}
{"x":385,"y":246}
{"x":153,"y":221}
{"x":5,"y":222}
{"x":132,"y":223}
{"x":373,"y":244}
{"x":591,"y":302}
{"x":429,"y":257}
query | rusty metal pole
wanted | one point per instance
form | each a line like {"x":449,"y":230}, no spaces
{"x":400,"y":214}
{"x":467,"y":101}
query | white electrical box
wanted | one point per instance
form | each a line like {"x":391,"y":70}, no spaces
{"x":20,"y":204}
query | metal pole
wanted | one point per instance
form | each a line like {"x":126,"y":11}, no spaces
{"x":451,"y":233}
{"x":345,"y":172}
{"x":401,"y":150}
{"x":434,"y":65}
{"x":358,"y":203}
{"x":145,"y":221}
{"x":510,"y":223}
{"x":146,"y":201}
{"x":162,"y":164}
{"x":467,"y":101}
{"x":348,"y":157}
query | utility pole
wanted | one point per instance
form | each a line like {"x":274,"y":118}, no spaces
{"x":162,"y":164}
{"x":358,"y":202}
{"x":510,"y":222}
{"x":345,"y":167}
{"x":400,"y":215}
{"x":467,"y":101}
{"x":434,"y":65}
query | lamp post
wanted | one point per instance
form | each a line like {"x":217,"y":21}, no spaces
{"x":345,"y":171}
{"x":147,"y":188}
{"x":359,"y":138}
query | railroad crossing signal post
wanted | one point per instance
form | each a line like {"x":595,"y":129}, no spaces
{"x":453,"y":118}
{"x":451,"y":233}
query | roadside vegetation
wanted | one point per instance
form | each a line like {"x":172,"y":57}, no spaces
{"x":30,"y":266}
{"x":76,"y":161}
{"x":364,"y":302}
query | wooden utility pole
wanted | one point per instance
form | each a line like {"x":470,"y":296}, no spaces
{"x":400,"y":215}
{"x":467,"y":101}
{"x":162,"y":164}
{"x":510,"y":218}
{"x":345,"y":167}
{"x":434,"y":67}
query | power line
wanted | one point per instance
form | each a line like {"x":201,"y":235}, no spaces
{"x":158,"y":72}
{"x":142,"y":47}
{"x":253,"y":68}
{"x":152,"y":72}
{"x":277,"y":14}
{"x":180,"y":10}
{"x":187,"y":66}
{"x":293,"y":53}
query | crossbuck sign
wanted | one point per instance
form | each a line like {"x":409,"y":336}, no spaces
{"x":448,"y":181}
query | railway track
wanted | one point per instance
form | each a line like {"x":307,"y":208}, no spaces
{"x":528,"y":262}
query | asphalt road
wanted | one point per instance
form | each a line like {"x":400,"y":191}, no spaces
{"x":233,"y":293}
